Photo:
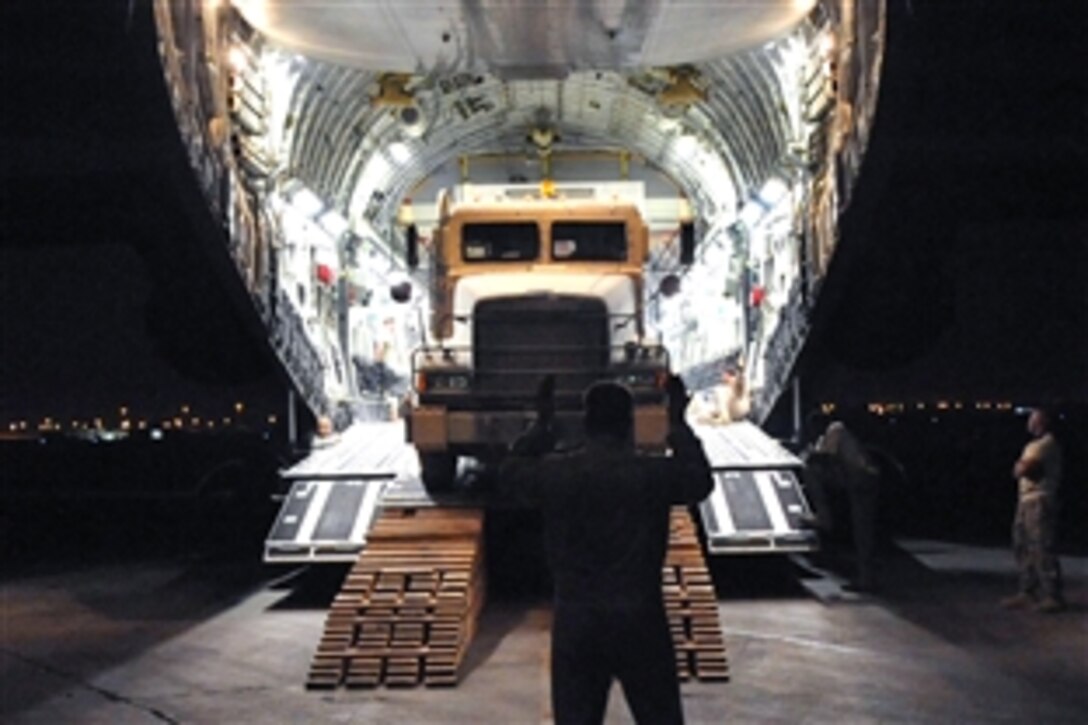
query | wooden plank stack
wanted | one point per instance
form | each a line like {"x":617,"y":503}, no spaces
{"x":408,"y":608}
{"x":691,"y":605}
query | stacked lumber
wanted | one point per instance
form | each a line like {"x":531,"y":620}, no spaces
{"x":408,"y":608}
{"x":691,"y":604}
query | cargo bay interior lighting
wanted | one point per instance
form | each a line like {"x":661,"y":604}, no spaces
{"x":334,"y":223}
{"x":400,"y":152}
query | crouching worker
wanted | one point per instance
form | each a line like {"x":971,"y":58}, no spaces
{"x":606,"y":522}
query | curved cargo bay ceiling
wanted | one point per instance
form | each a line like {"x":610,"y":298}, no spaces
{"x":309,"y":123}
{"x":383,"y":93}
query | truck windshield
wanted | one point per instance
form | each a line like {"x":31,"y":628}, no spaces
{"x":500,"y":242}
{"x":589,"y":241}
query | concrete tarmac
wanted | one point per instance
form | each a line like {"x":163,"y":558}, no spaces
{"x":216,"y":639}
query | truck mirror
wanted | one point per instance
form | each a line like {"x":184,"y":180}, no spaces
{"x":411,"y":246}
{"x":687,"y":243}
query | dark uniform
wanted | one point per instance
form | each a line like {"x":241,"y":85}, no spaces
{"x":606,"y":516}
{"x":845,"y":463}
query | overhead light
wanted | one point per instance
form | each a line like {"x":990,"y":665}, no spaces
{"x":237,"y":58}
{"x":307,"y":203}
{"x":399,"y":152}
{"x":750,"y":215}
{"x":684,"y":144}
{"x":773,"y":191}
{"x":667,"y":125}
{"x":333,"y":222}
{"x":826,"y":43}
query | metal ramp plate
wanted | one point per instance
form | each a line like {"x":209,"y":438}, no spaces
{"x":324,"y":521}
{"x":368,"y":450}
{"x":757,"y":502}
{"x":336,"y":492}
{"x":743,"y":446}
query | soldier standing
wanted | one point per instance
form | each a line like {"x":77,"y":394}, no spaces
{"x":1038,"y":473}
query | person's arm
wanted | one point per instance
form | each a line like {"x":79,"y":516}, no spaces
{"x":1032,"y":463}
{"x":523,"y":479}
{"x":522,"y":474}
{"x":690,"y":468}
{"x":1030,"y":468}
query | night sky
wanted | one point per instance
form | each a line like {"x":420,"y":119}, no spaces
{"x":968,"y":246}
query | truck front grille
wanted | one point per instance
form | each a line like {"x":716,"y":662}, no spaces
{"x":518,"y":340}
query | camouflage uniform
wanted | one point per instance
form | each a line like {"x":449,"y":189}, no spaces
{"x":606,"y":513}
{"x":1033,"y":528}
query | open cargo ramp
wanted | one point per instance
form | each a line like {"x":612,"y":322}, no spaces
{"x":757,"y":504}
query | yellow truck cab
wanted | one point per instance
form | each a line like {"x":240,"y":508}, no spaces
{"x":521,"y":289}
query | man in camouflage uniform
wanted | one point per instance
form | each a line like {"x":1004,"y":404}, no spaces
{"x":606,"y":518}
{"x":1038,"y":473}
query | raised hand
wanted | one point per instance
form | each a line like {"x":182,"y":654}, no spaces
{"x":545,"y":400}
{"x":678,"y":398}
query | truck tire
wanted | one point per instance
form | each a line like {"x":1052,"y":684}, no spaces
{"x":438,"y":471}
